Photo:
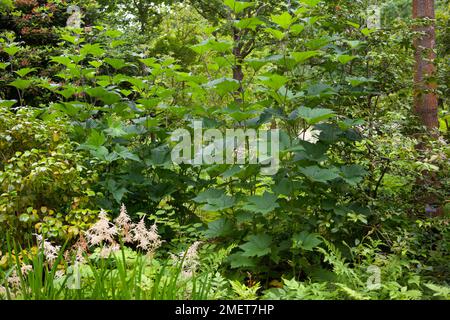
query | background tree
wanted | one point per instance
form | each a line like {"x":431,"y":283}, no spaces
{"x":145,"y":14}
{"x":426,"y":100}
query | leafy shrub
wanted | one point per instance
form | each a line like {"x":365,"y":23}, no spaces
{"x":44,"y":182}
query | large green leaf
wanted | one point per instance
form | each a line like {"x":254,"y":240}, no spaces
{"x":277,"y":34}
{"x":116,"y":130}
{"x":116,"y":190}
{"x":96,"y":139}
{"x":249,"y":23}
{"x":238,"y":260}
{"x":317,"y":174}
{"x":345,"y":58}
{"x":204,"y":196}
{"x":219,"y":228}
{"x":212,"y":45}
{"x":116,"y":63}
{"x":238,"y":6}
{"x":21,"y":84}
{"x":4,"y":65}
{"x":312,"y":116}
{"x":25,"y":71}
{"x":306,"y":241}
{"x":257,"y":246}
{"x":321,"y":90}
{"x":311,"y":151}
{"x":274,"y":81}
{"x":66,"y":61}
{"x":219,"y":204}
{"x":92,"y":49}
{"x":215,"y":199}
{"x":353,"y":174}
{"x":126,"y":154}
{"x":284,"y":20}
{"x":108,"y":97}
{"x":310,"y":3}
{"x":224,"y":85}
{"x":305,"y":55}
{"x":7,"y":103}
{"x":262,"y":204}
{"x":12,"y":50}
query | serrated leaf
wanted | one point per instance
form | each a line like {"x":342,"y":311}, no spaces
{"x":224,"y":85}
{"x":7,"y":103}
{"x":66,"y":61}
{"x":11,"y":50}
{"x":149,"y":62}
{"x":262,"y":204}
{"x":21,"y":84}
{"x":317,"y":174}
{"x":284,"y":20}
{"x":219,"y":228}
{"x":238,"y":6}
{"x":274,"y":81}
{"x":306,"y":241}
{"x":126,"y":154}
{"x":297,"y":29}
{"x":318,"y":43}
{"x":353,"y":174}
{"x":257,"y":246}
{"x":24,"y":71}
{"x":96,"y":139}
{"x":72,"y":39}
{"x":113,"y":33}
{"x":108,"y":97}
{"x":300,"y":57}
{"x":4,"y":65}
{"x":204,"y":196}
{"x":215,"y":199}
{"x":311,"y":151}
{"x":345,"y":58}
{"x":277,"y":34}
{"x":116,"y":63}
{"x":92,"y":49}
{"x":212,"y":45}
{"x":357,"y":81}
{"x":321,"y":90}
{"x":312,"y":116}
{"x":219,"y":204}
{"x":249,"y":23}
{"x":238,"y":260}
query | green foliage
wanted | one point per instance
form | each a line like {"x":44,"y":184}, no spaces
{"x":91,"y":127}
{"x":44,"y":182}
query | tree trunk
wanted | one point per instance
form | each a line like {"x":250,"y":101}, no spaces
{"x":425,"y":97}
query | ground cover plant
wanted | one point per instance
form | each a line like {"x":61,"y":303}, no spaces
{"x":224,"y":150}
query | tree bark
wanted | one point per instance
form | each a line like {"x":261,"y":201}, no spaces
{"x":425,"y":97}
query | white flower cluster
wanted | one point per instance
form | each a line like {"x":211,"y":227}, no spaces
{"x":104,"y":232}
{"x":50,"y":251}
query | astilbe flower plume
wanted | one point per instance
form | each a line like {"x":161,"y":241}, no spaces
{"x":102,"y":231}
{"x":80,"y":247}
{"x":191,"y":259}
{"x":146,"y":239}
{"x":25,"y":269}
{"x":14,"y":280}
{"x":50,"y":251}
{"x":106,"y":251}
{"x":124,"y":224}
